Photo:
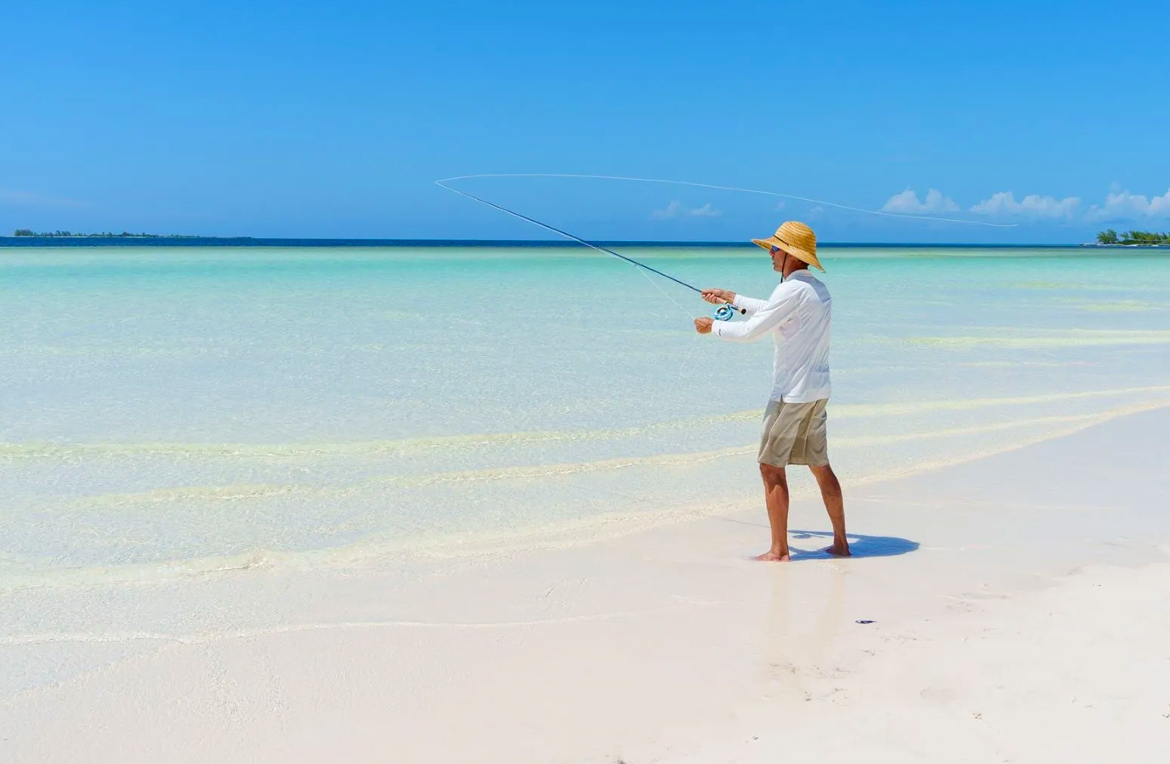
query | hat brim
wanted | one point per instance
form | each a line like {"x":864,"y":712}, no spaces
{"x":799,"y":254}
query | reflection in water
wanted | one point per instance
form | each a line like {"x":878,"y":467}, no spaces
{"x":804,"y":613}
{"x":806,"y":609}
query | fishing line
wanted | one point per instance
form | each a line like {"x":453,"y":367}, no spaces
{"x":722,"y":313}
{"x":879,"y":213}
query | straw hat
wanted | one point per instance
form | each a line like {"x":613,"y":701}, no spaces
{"x":796,"y":239}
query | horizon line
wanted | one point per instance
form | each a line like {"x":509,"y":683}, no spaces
{"x":190,"y":240}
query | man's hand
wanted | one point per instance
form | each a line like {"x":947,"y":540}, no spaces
{"x":703,"y":324}
{"x":718,"y":296}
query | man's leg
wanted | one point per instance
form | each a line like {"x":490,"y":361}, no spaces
{"x":835,"y":506}
{"x":776,"y":498}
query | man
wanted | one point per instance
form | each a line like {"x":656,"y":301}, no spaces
{"x":797,"y":315}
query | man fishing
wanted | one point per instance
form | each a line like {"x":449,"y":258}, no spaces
{"x":798,"y":316}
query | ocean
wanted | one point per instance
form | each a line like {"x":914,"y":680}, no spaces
{"x":170,"y":410}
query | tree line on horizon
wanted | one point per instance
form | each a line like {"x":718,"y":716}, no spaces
{"x":1109,"y":236}
{"x":106,"y":235}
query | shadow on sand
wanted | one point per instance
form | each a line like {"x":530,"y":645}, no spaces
{"x":861,"y":546}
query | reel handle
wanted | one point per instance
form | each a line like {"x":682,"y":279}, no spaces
{"x":725,"y":311}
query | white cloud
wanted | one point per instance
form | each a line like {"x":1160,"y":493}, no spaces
{"x":673,"y":210}
{"x":678,"y":209}
{"x":1033,"y":205}
{"x":780,"y":205}
{"x":815,"y":211}
{"x":907,"y":203}
{"x":1124,"y":205}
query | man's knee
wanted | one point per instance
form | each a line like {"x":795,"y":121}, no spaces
{"x":826,"y":478}
{"x":823,"y":471}
{"x":771,"y":473}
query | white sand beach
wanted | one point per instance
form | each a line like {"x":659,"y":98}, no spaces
{"x":1011,"y":608}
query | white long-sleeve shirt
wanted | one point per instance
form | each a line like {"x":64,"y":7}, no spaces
{"x":798,"y":315}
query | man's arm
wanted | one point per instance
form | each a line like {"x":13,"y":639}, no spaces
{"x":765,"y":318}
{"x":749,"y":304}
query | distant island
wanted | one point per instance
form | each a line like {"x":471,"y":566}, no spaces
{"x":106,"y":235}
{"x":1109,"y":237}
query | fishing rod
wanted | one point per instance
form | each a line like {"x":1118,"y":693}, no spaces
{"x":722,"y":313}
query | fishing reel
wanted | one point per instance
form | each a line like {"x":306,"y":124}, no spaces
{"x":725,"y":312}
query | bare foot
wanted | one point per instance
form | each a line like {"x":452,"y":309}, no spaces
{"x":772,"y":557}
{"x":838,"y":550}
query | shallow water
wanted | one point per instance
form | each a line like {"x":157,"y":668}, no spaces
{"x":170,"y":410}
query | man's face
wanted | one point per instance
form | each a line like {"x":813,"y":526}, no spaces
{"x":777,"y":259}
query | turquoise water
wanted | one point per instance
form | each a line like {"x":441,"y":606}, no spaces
{"x":180,"y":409}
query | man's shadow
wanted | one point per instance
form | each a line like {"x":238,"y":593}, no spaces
{"x":860,"y":546}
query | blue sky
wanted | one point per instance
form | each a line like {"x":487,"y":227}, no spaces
{"x":332,"y":119}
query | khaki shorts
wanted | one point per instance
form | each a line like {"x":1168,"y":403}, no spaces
{"x":794,"y":433}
